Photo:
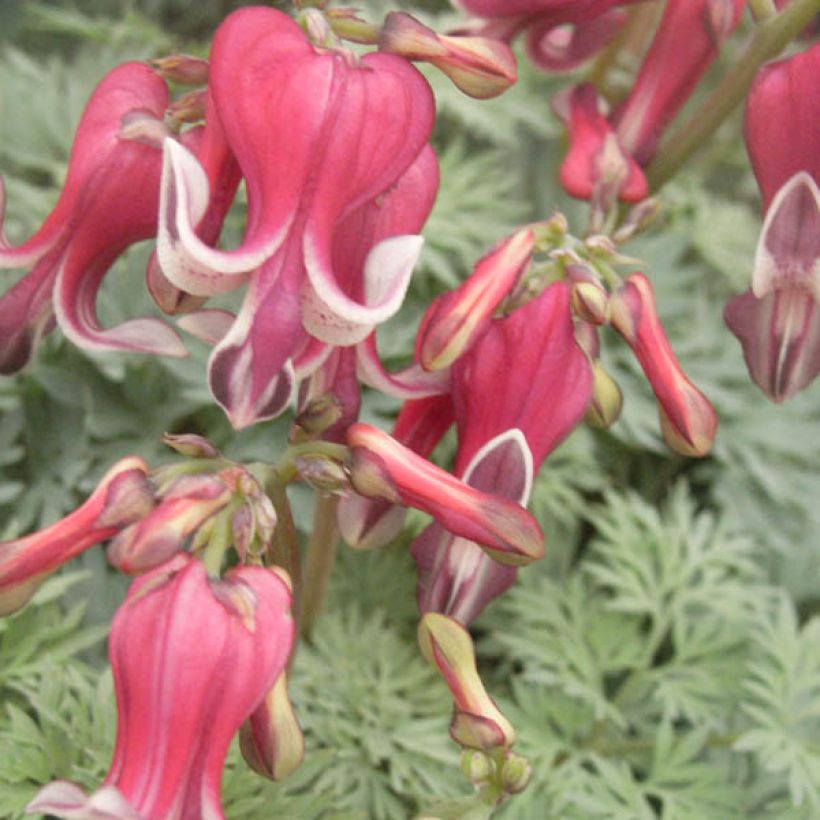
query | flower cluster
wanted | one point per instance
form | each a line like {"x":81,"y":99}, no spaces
{"x":334,"y":151}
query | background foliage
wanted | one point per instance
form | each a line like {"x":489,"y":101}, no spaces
{"x":661,"y":662}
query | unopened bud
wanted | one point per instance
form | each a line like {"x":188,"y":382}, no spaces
{"x":188,"y":108}
{"x":271,"y":740}
{"x":191,"y":445}
{"x":477,"y":767}
{"x":323,"y":473}
{"x":516,"y":773}
{"x":607,"y":399}
{"x":590,"y":302}
{"x":477,"y":721}
{"x":182,"y":69}
{"x":639,"y":218}
{"x":458,"y":318}
{"x":319,"y":415}
{"x":368,"y":523}
{"x":481,"y":67}
{"x":129,"y":498}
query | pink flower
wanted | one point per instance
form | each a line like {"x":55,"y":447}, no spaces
{"x":317,"y":134}
{"x":192,"y":656}
{"x":685,"y":45}
{"x":561,"y":34}
{"x":597,"y":167}
{"x":778,"y":319}
{"x":109,"y":201}
{"x":121,"y":497}
{"x":517,"y":393}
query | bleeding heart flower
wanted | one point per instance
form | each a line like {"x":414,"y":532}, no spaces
{"x":778,"y":319}
{"x":317,"y":134}
{"x":109,"y":201}
{"x":192,"y":656}
{"x":122,"y":496}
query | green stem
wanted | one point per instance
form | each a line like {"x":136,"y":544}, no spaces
{"x":354,"y":29}
{"x":218,"y":544}
{"x":319,"y":563}
{"x":769,"y":39}
{"x":285,"y":548}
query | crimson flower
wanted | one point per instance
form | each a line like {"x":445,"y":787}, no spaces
{"x":517,"y":393}
{"x":109,"y":201}
{"x":778,"y":319}
{"x":317,"y":134}
{"x":192,"y":656}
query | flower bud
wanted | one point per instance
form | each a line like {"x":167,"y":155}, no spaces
{"x":477,"y":767}
{"x":457,"y":319}
{"x":607,"y":399}
{"x":271,"y":740}
{"x":688,"y":420}
{"x":323,"y":473}
{"x":477,"y":721}
{"x":320,"y":414}
{"x":590,"y":302}
{"x":516,"y":773}
{"x":191,"y":445}
{"x":186,"y":109}
{"x":481,"y":67}
{"x":182,"y":69}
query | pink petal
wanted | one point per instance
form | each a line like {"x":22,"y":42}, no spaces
{"x":788,"y":252}
{"x":186,"y":260}
{"x":456,"y":576}
{"x":64,"y":799}
{"x":780,"y":337}
{"x":410,"y":383}
{"x":332,"y":317}
{"x":210,"y":325}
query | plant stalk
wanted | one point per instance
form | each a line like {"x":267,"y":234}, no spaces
{"x":770,"y":37}
{"x":319,"y":562}
{"x":285,"y":548}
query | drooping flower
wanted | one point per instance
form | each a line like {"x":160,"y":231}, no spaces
{"x":192,"y":657}
{"x":686,"y":43}
{"x":778,"y":319}
{"x":597,"y":166}
{"x":517,"y":393}
{"x":317,"y":134}
{"x":122,"y":497}
{"x":561,"y":34}
{"x":109,"y":201}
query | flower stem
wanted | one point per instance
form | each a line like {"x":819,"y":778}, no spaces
{"x":285,"y":552}
{"x":319,"y":562}
{"x":770,"y":37}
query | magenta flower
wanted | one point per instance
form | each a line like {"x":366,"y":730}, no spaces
{"x":686,"y":43}
{"x":561,"y":34}
{"x":597,"y":166}
{"x":517,"y":394}
{"x":109,"y":201}
{"x":122,"y":497}
{"x":192,"y":657}
{"x":778,"y":319}
{"x":317,"y":134}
